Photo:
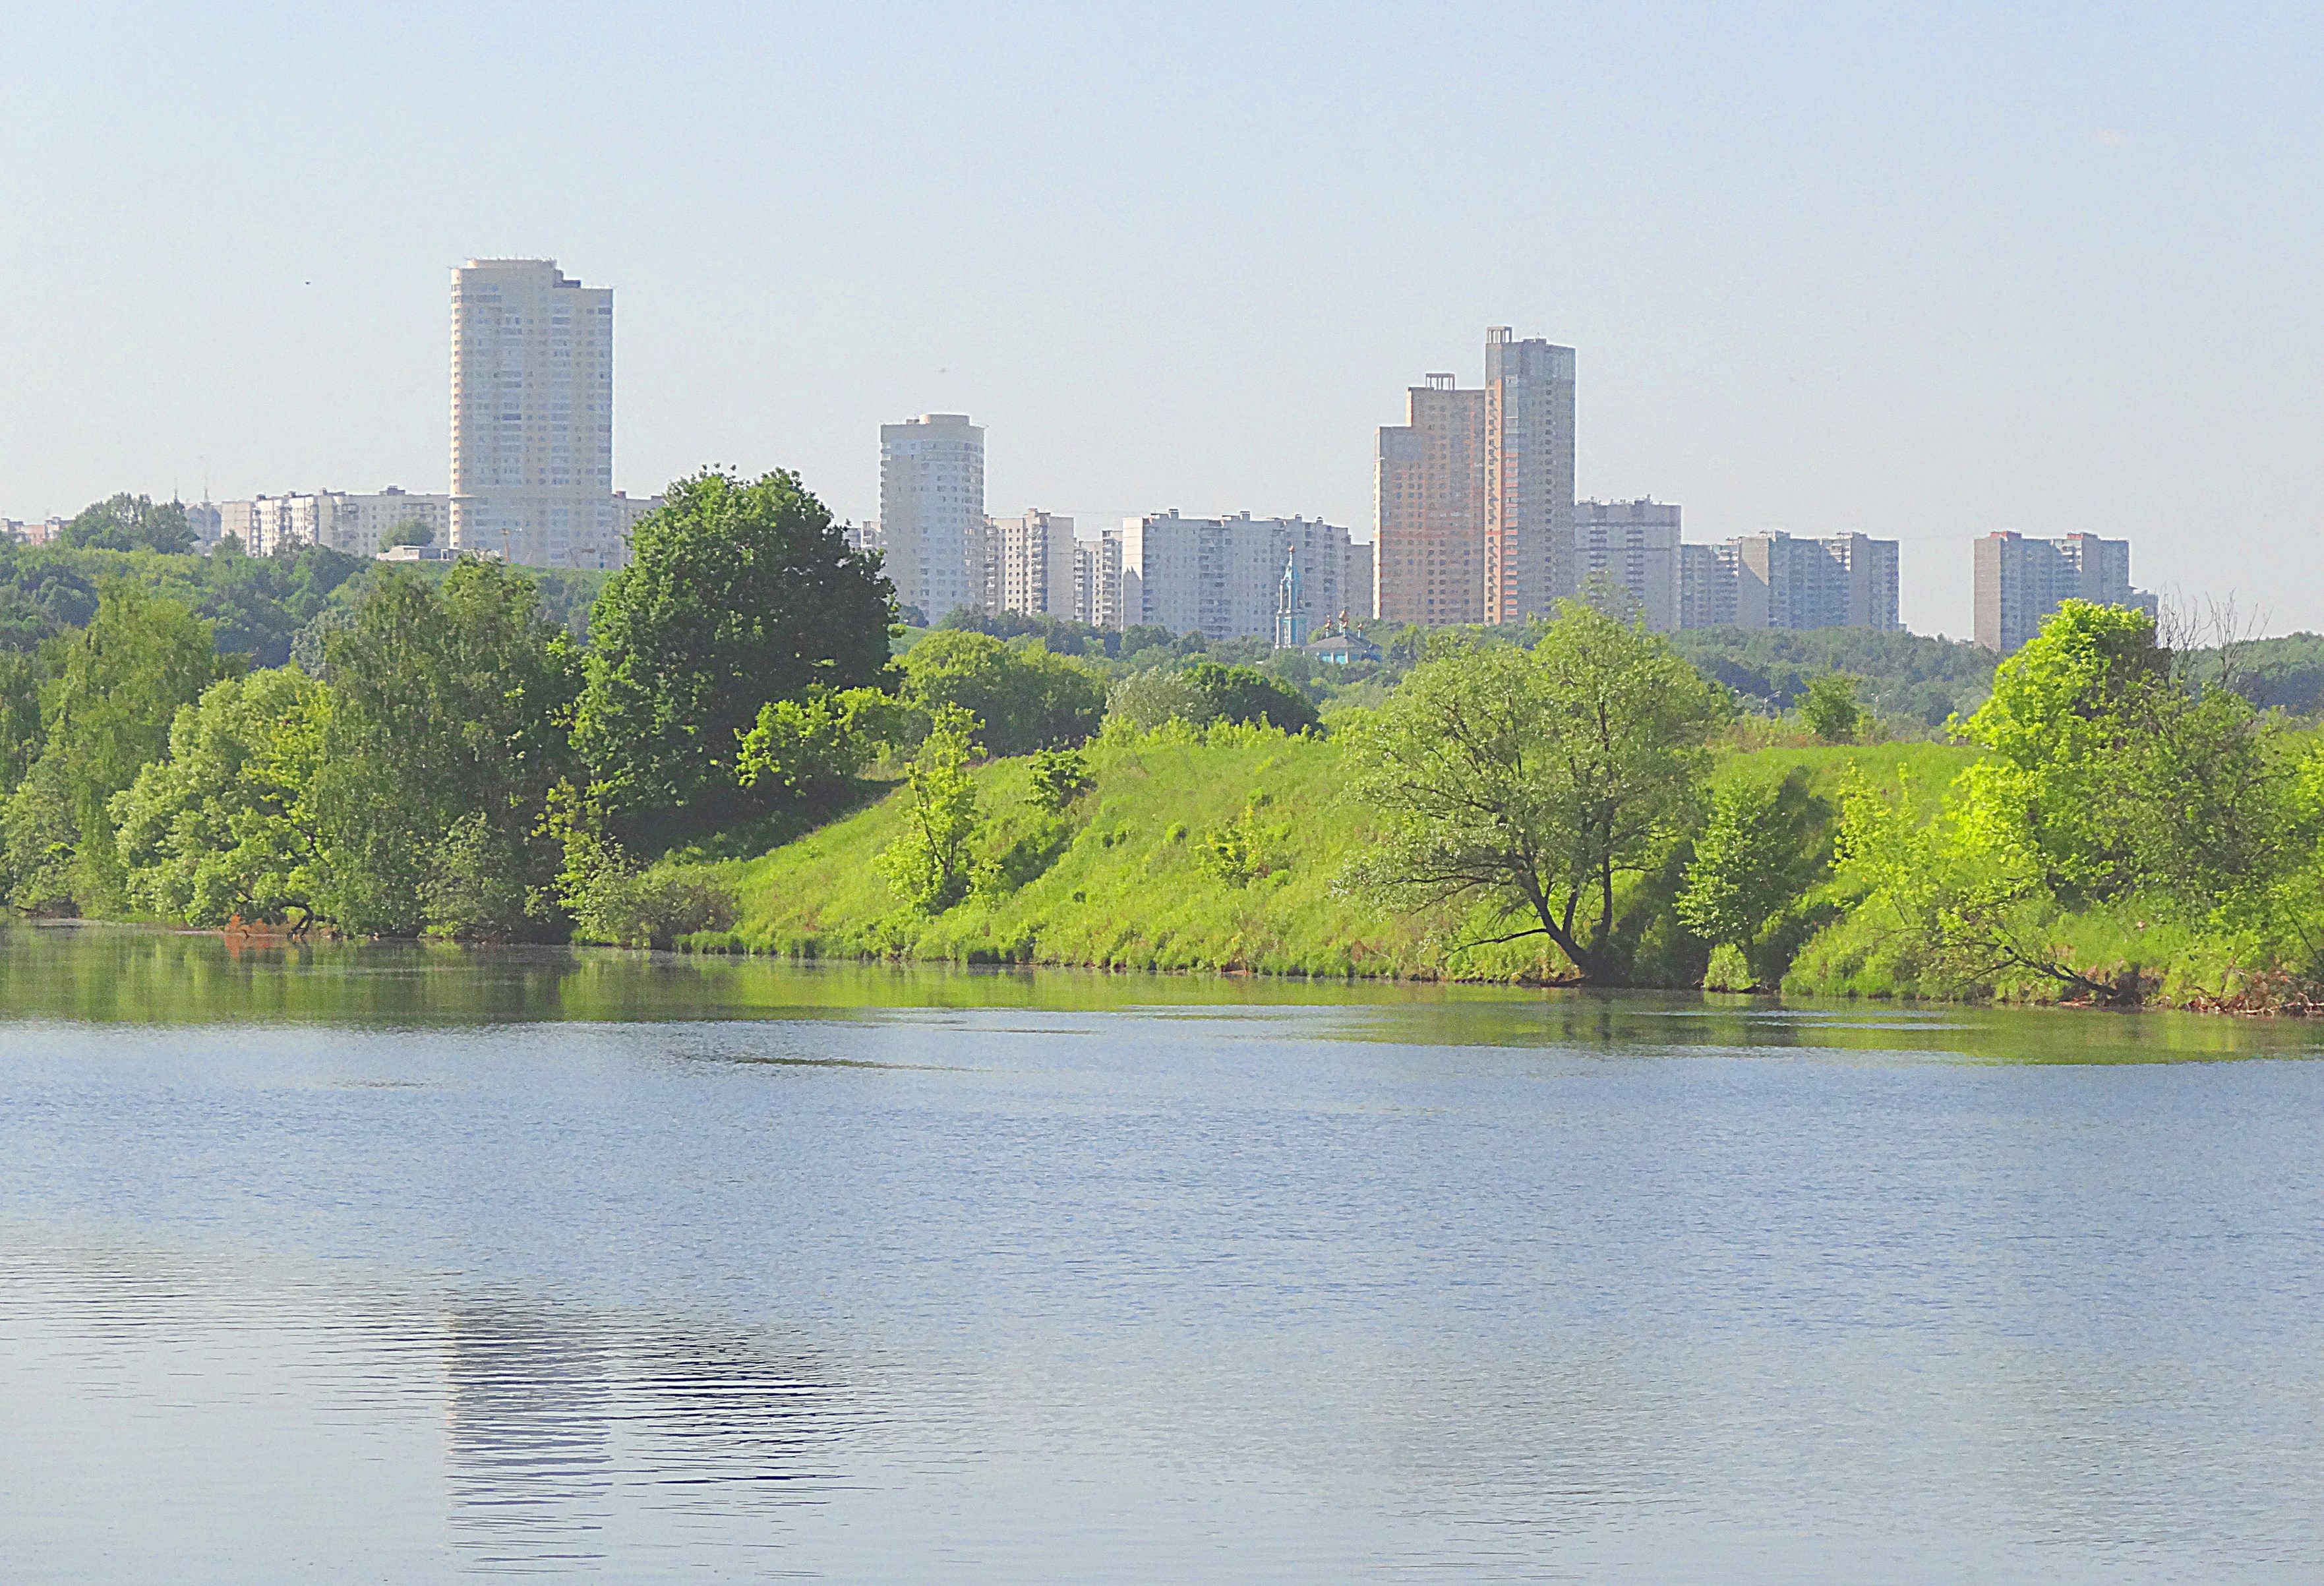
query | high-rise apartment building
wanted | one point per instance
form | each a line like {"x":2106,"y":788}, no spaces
{"x":532,"y":416}
{"x":1430,"y":504}
{"x":1773,"y":580}
{"x":1630,"y":546}
{"x":2019,"y":582}
{"x":1706,"y":585}
{"x":1034,"y":557}
{"x":1357,"y":588}
{"x":1220,"y":577}
{"x":1529,"y":475}
{"x":932,"y":512}
{"x":1098,"y":598}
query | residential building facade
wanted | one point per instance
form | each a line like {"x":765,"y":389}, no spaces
{"x":357,"y":524}
{"x":1529,"y":520}
{"x":1631,"y":546}
{"x":2019,"y":582}
{"x":1221,"y":576}
{"x":1429,"y":506}
{"x":1035,"y":567}
{"x":532,"y":416}
{"x":932,"y":513}
{"x":1776,"y":580}
{"x":1098,"y":582}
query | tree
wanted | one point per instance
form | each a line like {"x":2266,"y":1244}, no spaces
{"x":115,"y":688}
{"x":223,"y":827}
{"x":1752,"y":858}
{"x":1830,"y":710}
{"x":931,"y":866}
{"x":1246,"y":694}
{"x":1059,"y":776}
{"x":815,"y":745}
{"x":130,"y":522}
{"x":450,"y":725}
{"x":1146,"y":699}
{"x":735,"y":593}
{"x":411,"y":531}
{"x":1026,"y":698}
{"x":1530,"y":781}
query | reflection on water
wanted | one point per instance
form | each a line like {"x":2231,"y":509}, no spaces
{"x":480,"y":1264}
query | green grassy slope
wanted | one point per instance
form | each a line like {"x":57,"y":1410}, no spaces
{"x":1125,"y":878}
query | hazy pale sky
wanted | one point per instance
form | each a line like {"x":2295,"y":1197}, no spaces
{"x":2049,"y":268}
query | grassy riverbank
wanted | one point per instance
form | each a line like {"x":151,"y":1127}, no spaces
{"x":1209,"y":850}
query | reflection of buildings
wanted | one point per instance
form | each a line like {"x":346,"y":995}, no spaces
{"x":550,"y":1412}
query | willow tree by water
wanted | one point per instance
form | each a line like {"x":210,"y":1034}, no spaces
{"x":1533,"y":780}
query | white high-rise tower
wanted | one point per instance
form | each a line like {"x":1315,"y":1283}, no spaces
{"x":932,"y":512}
{"x":532,"y":416}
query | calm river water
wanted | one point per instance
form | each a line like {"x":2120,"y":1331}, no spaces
{"x":395,"y":1265}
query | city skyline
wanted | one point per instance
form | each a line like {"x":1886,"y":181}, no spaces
{"x":1978,"y":270}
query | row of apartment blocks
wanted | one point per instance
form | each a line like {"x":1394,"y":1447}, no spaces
{"x":358,"y":523}
{"x":1216,"y":577}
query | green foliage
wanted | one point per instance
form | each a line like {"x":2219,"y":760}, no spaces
{"x":222,"y":828}
{"x":931,"y":865}
{"x":1059,"y":776}
{"x":1242,"y":850}
{"x":113,"y":689}
{"x":1900,"y":678}
{"x":612,"y":900}
{"x":1830,"y":710}
{"x":736,"y":594}
{"x":1146,"y":700}
{"x":449,"y":707}
{"x":21,"y":679}
{"x":411,"y":531}
{"x":814,"y":746}
{"x":1532,"y":780}
{"x":1762,"y":847}
{"x":2112,"y":799}
{"x":1026,"y":698}
{"x":130,"y":522}
{"x":1246,"y":694}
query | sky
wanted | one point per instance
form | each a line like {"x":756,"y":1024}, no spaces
{"x":1917,"y":272}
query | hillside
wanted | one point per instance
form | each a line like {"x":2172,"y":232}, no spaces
{"x":1212,"y":850}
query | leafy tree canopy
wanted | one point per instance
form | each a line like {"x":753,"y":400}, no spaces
{"x":449,"y":729}
{"x":737,"y":593}
{"x":130,"y":522}
{"x":1530,"y":780}
{"x":1025,"y":698}
{"x":223,"y":827}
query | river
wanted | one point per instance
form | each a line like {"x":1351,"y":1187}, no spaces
{"x":399,"y":1264}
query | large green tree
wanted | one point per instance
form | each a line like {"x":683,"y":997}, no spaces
{"x":223,"y":827}
{"x":450,"y":727}
{"x":737,"y":593}
{"x":1025,"y":698}
{"x":113,"y":688}
{"x":1532,"y":780}
{"x":130,"y":522}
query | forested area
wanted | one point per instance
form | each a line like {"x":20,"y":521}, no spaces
{"x":308,"y":741}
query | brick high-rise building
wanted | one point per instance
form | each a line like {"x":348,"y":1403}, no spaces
{"x":532,"y":416}
{"x":1529,"y":475}
{"x":1430,"y":505}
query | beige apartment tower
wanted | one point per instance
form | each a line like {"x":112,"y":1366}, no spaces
{"x":1430,"y":508}
{"x":532,"y":416}
{"x":1529,"y":547}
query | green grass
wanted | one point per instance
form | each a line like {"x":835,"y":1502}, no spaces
{"x":1125,"y":878}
